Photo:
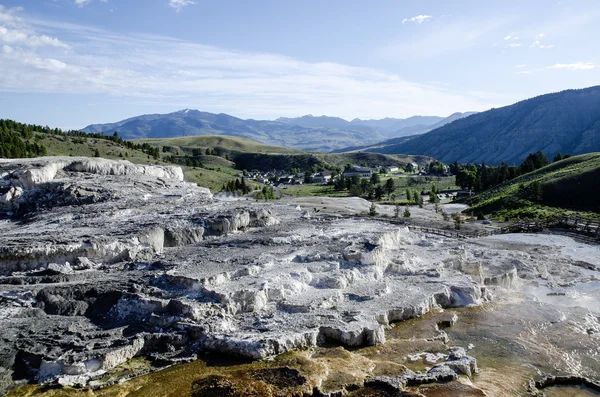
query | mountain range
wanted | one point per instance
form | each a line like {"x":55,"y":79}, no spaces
{"x":309,"y":133}
{"x":388,"y":127}
{"x":567,"y":121}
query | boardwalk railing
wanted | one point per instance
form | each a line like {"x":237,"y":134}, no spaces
{"x":572,"y":223}
{"x":579,"y":225}
{"x":441,"y":232}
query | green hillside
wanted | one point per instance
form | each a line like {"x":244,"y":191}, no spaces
{"x":569,"y":185}
{"x":373,"y":159}
{"x":248,"y":154}
{"x":230,"y":143}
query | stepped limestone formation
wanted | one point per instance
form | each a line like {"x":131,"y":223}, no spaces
{"x":102,"y":261}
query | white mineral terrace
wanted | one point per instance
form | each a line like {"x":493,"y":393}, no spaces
{"x":102,"y":261}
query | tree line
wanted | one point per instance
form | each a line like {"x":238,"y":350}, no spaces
{"x":15,"y":141}
{"x":482,"y":177}
{"x":16,"y":137}
{"x":370,"y":189}
{"x":237,"y":186}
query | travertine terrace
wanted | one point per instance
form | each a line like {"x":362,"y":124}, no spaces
{"x":102,"y":261}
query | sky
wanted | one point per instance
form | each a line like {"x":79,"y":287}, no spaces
{"x":70,"y":63}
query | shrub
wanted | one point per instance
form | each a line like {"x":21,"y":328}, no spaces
{"x":373,"y":209}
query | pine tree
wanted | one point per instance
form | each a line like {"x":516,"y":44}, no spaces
{"x":457,"y":221}
{"x":265,"y":193}
{"x":379,"y":192}
{"x":245,"y":188}
{"x":373,"y":209}
{"x":536,"y":191}
{"x":433,"y":198}
{"x":375,"y":178}
{"x":390,"y":186}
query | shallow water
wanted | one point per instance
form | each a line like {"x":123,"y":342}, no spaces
{"x":570,"y":391}
{"x":585,"y":295}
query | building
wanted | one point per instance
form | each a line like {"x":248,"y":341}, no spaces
{"x":321,"y":177}
{"x":363,"y":172}
{"x":285,"y":181}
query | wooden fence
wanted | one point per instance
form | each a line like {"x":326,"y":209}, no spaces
{"x":571,"y":224}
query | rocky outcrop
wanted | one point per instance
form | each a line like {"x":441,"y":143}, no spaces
{"x":27,"y":185}
{"x":29,"y":172}
{"x":457,"y":364}
{"x":536,"y":387}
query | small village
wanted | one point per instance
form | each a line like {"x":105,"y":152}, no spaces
{"x":282,"y":179}
{"x":391,"y":183}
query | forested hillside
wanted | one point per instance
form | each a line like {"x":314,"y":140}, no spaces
{"x":16,"y":140}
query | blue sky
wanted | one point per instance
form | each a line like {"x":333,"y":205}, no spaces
{"x":69,"y":63}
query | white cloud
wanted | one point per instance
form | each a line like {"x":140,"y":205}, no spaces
{"x":507,"y":37}
{"x":7,"y":15}
{"x":513,"y":45}
{"x":522,"y":65}
{"x":443,"y":37}
{"x":537,"y":43}
{"x":155,"y":68}
{"x":417,"y":19}
{"x":523,"y":72}
{"x":7,"y":49}
{"x":179,"y":4}
{"x":81,"y":3}
{"x":18,"y":36}
{"x":573,"y":66}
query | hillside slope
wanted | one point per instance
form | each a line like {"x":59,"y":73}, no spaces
{"x":220,"y":141}
{"x":248,"y":154}
{"x":566,"y":184}
{"x":568,"y":121}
